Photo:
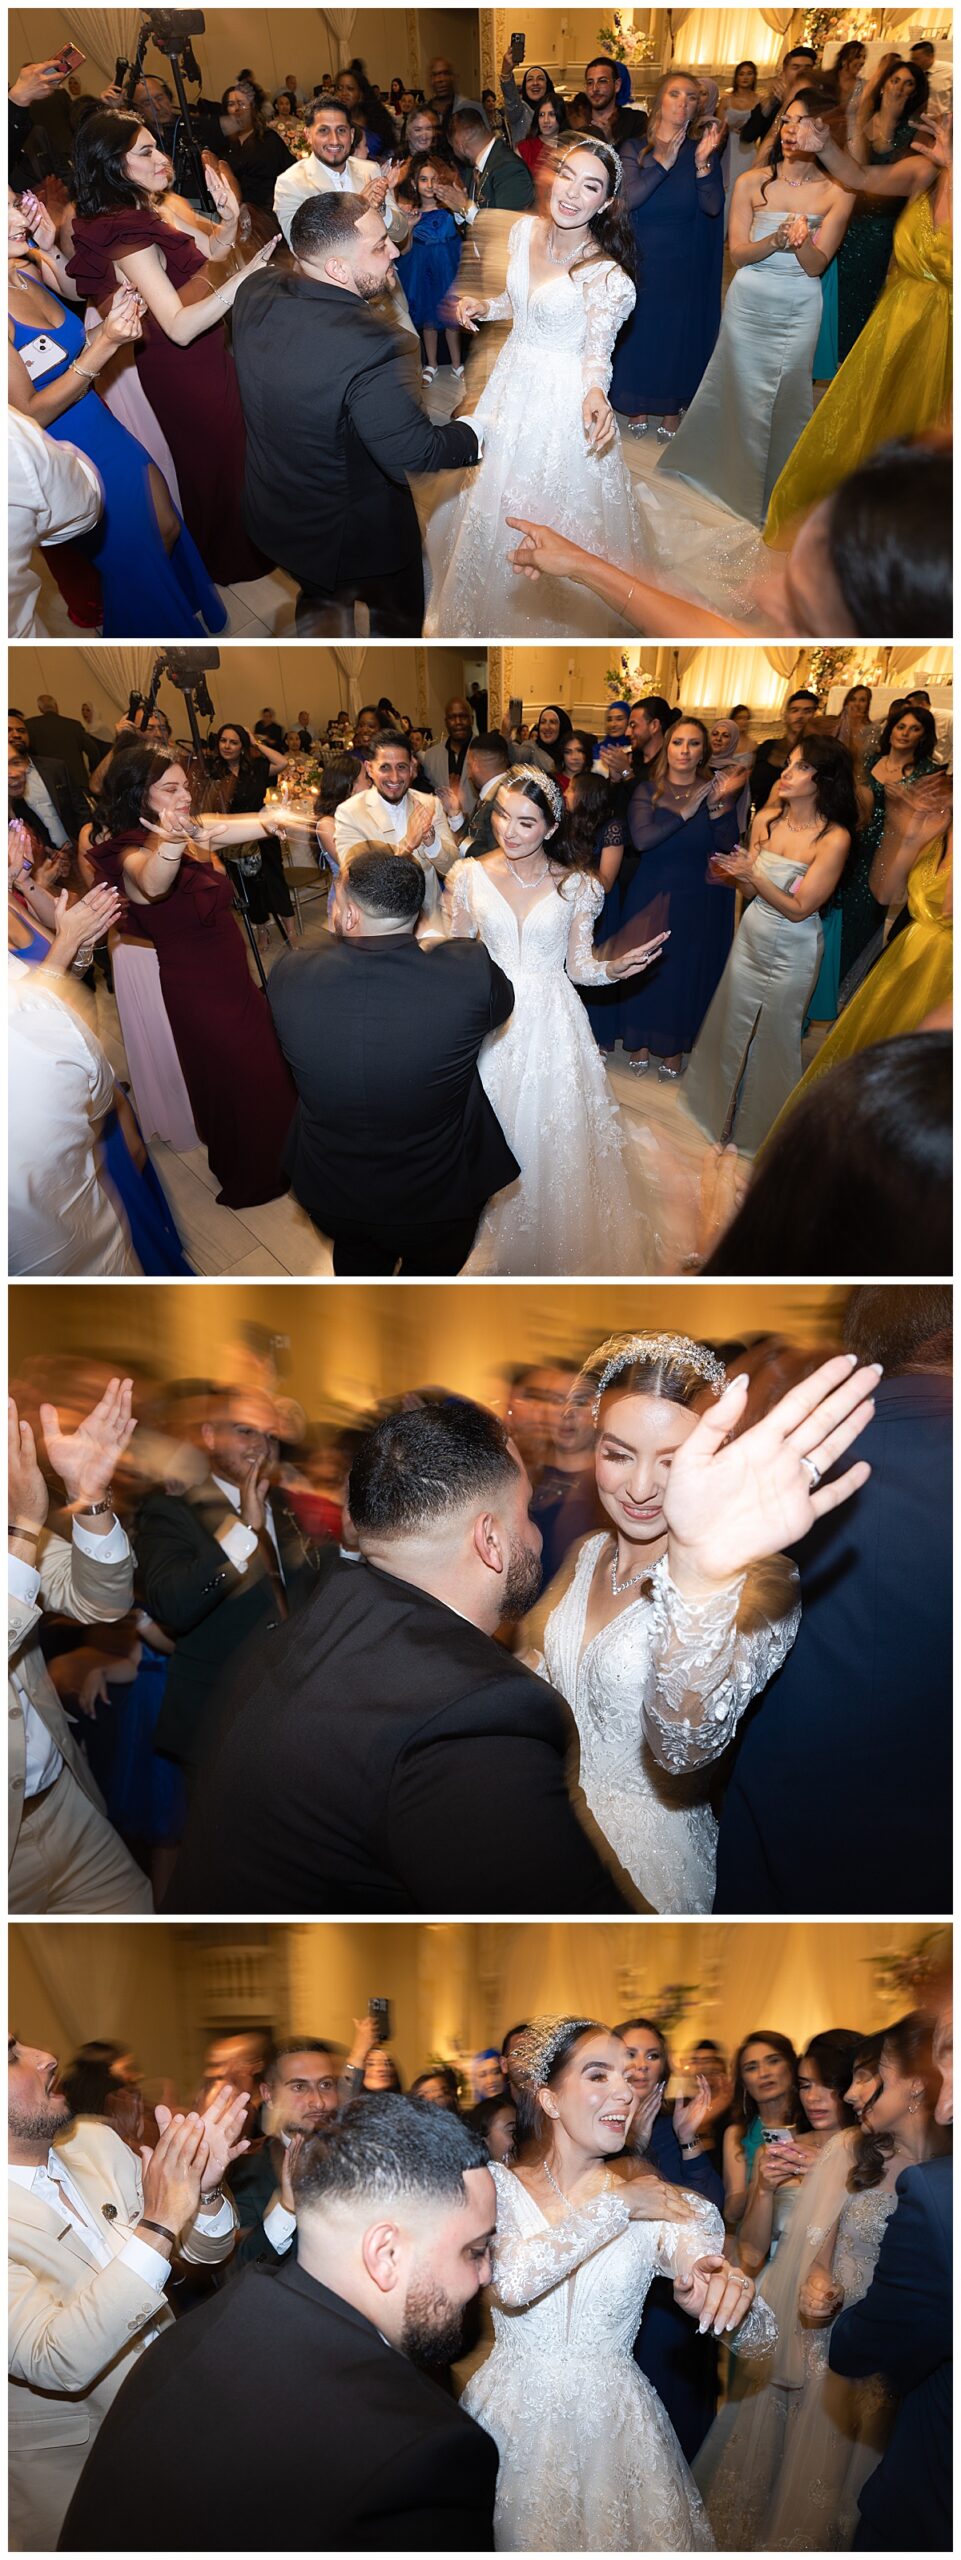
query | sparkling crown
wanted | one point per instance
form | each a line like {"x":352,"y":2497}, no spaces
{"x":545,"y":782}
{"x":672,"y":1351}
{"x":534,"y":2053}
{"x":602,"y":151}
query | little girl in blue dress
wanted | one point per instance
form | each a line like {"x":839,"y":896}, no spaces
{"x":429,"y":264}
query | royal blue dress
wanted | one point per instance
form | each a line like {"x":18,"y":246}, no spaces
{"x":428,"y":267}
{"x":146,"y":594}
{"x":678,"y":224}
{"x":663,"y":1009}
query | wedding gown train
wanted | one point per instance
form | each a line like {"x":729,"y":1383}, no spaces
{"x":588,"y":2458}
{"x":677,"y":1673}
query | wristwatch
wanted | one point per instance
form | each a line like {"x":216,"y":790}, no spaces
{"x":95,"y":1510}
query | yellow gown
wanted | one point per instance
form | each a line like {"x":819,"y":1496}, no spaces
{"x":895,"y":382}
{"x":912,"y":977}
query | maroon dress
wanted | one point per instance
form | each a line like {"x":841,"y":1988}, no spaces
{"x":241,"y":1093}
{"x":193,"y":390}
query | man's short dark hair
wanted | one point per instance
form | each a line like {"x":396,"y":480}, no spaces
{"x":296,"y":2044}
{"x":707,"y":2044}
{"x":415,"y":1468}
{"x":656,"y":707}
{"x":803,"y":694}
{"x":322,"y":104}
{"x":383,"y":2147}
{"x":801,"y":53}
{"x":906,"y":1327}
{"x":600,"y":58}
{"x":490,"y":743}
{"x":470,"y":120}
{"x":389,"y":885}
{"x":323,"y":224}
{"x":520,"y":2030}
{"x":388,"y":738}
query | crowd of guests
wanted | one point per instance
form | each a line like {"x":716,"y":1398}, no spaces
{"x":716,"y":898}
{"x":202,"y":1578}
{"x":803,"y":2197}
{"x":171,"y":444}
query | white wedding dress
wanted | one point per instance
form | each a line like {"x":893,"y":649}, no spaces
{"x":535,"y":461}
{"x":657,"y":1696}
{"x":577,"y":1206}
{"x":588,"y":2458}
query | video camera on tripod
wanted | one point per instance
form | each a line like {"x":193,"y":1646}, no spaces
{"x":170,"y":32}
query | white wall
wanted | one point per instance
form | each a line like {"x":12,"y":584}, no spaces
{"x":290,"y":678}
{"x":275,"y":41}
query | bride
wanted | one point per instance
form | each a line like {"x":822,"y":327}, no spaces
{"x":588,"y":2458}
{"x":571,"y":1209}
{"x":664,"y":1628}
{"x":551,"y":448}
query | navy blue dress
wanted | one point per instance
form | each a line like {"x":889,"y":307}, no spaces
{"x":663,"y":1009}
{"x":678,"y":225}
{"x":680,"y":2363}
{"x":602,"y":1003}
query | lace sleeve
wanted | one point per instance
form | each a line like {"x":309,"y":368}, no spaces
{"x":609,"y":300}
{"x":709,"y":1658}
{"x":460,"y":910}
{"x":528,"y":2264}
{"x":499,"y":306}
{"x":680,"y":2244}
{"x":582,"y":962}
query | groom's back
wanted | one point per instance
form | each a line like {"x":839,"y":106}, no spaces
{"x":387,"y":1757}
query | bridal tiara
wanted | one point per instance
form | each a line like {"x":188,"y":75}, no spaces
{"x":672,"y":1351}
{"x":534,"y":2053}
{"x":544,"y":781}
{"x":602,"y":151}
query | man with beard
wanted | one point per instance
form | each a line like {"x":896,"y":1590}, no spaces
{"x":300,"y":2094}
{"x":92,"y":2234}
{"x":357,"y":1771}
{"x":335,"y":425}
{"x":387,"y":811}
{"x":293,"y":2400}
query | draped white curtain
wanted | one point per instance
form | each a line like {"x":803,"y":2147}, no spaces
{"x":716,"y":677}
{"x":119,"y":672}
{"x":341,"y":24}
{"x":351,"y":662}
{"x":727,"y":36}
{"x":103,"y":34}
{"x":938,"y":663}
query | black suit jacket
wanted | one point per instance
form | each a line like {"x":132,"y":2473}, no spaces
{"x":840,"y":1797}
{"x":382,"y":1040}
{"x":333,"y":428}
{"x":903,"y":2329}
{"x":388,"y":1758}
{"x":52,"y":734}
{"x":192,"y":1589}
{"x":71,"y":805}
{"x":276,"y":2416}
{"x":504,"y":183}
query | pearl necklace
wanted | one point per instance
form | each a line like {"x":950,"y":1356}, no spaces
{"x":618,"y":1587}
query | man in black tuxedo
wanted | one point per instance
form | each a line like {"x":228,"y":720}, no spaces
{"x":394,"y":1147}
{"x":293,"y":2401}
{"x":841,"y":1786}
{"x":220,"y":1564}
{"x":52,"y":733}
{"x":904,"y":2329}
{"x":500,"y":181}
{"x":41,"y":793}
{"x":334,"y":426}
{"x":390,"y":1757}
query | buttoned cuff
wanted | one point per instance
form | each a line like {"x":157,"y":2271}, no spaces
{"x":113,"y":1549}
{"x":23,"y":1581}
{"x":213,"y":2226}
{"x":147,"y":2263}
{"x":239,"y":1543}
{"x":280,"y":2227}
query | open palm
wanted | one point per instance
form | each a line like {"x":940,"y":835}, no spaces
{"x":729,"y":1503}
{"x":84,"y":1459}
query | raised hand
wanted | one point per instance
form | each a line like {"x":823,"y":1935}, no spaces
{"x":85,"y":1459}
{"x":173,"y":2170}
{"x":253,"y":1495}
{"x":34,"y":81}
{"x":730,"y":1503}
{"x":643,"y":2118}
{"x":691,"y":2113}
{"x":123,"y":319}
{"x":27,"y":1495}
{"x":709,"y":142}
{"x":224,"y":2120}
{"x":813,"y":133}
{"x":292,"y":2152}
{"x":43,"y":229}
{"x":83,"y":924}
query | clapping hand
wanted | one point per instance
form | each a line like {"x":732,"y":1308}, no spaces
{"x":600,"y":424}
{"x":123,"y":319}
{"x":43,"y":230}
{"x":292,"y":2152}
{"x":224,"y":2120}
{"x":27,"y":1494}
{"x":691,"y":2113}
{"x":932,"y":135}
{"x":421,"y":821}
{"x":83,"y":925}
{"x":19,"y":851}
{"x":738,"y":865}
{"x":644,"y":2115}
{"x":454,"y":197}
{"x":85,"y":1459}
{"x":796,"y":231}
{"x":709,"y":142}
{"x":729,"y":1503}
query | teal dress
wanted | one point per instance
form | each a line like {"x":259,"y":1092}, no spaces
{"x":864,"y":256}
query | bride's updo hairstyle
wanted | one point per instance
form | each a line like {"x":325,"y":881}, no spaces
{"x":121,"y":801}
{"x":668,"y":1365}
{"x":610,"y":227}
{"x":538,"y":2056}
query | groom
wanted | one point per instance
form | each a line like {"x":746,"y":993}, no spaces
{"x":334,"y":425}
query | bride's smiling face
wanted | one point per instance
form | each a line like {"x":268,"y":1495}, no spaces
{"x":636,"y":1444}
{"x":580,"y":188}
{"x":591,"y":2100}
{"x":520,"y":826}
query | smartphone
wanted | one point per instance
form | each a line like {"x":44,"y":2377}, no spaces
{"x":518,"y":47}
{"x":515,"y":712}
{"x":379,"y":2011}
{"x":778,"y":2133}
{"x":70,"y":59}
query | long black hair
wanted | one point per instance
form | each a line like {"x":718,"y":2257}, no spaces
{"x":833,"y":2054}
{"x":911,"y":2039}
{"x":248,"y":760}
{"x":610,"y":227}
{"x":745,"y":2108}
{"x":913,"y":107}
{"x":559,"y":850}
{"x":126,"y":786}
{"x":815,"y":102}
{"x":929,"y":735}
{"x":587,"y":810}
{"x":861,"y":1169}
{"x":100,"y":149}
{"x":835,"y":798}
{"x":889,"y":541}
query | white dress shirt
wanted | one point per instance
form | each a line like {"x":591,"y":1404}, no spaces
{"x":61,"y":1220}
{"x":471,"y":210}
{"x":38,"y":799}
{"x":53,"y":494}
{"x":239,"y":1542}
{"x":367,"y":818}
{"x":44,"y":1760}
{"x":55,"y":2187}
